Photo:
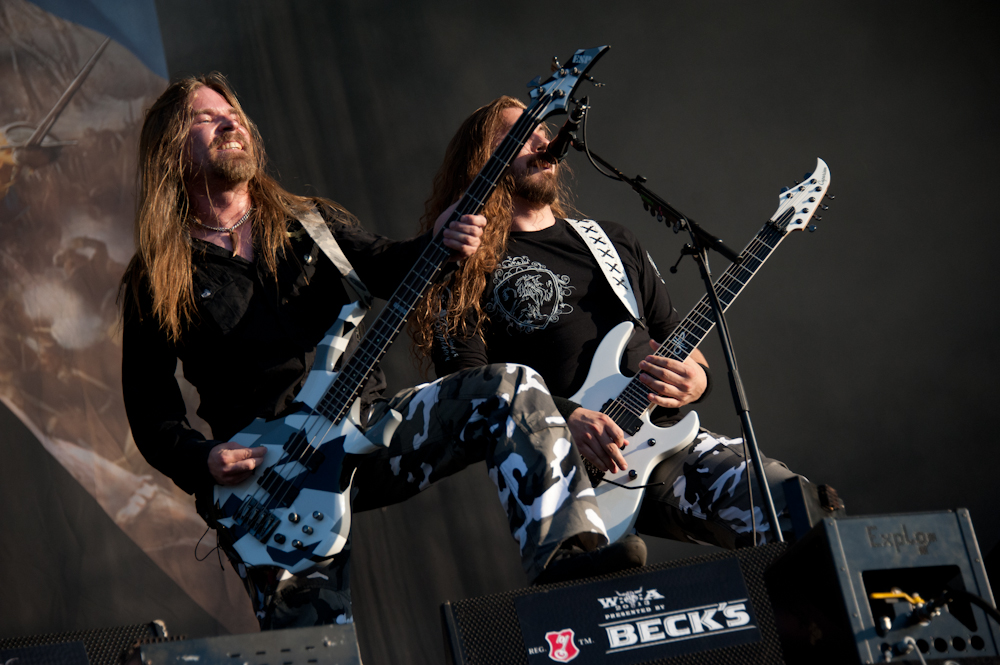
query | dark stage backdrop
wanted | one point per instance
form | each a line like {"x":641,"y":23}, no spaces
{"x":868,"y":349}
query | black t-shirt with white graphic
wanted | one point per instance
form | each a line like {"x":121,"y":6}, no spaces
{"x":550,"y":306}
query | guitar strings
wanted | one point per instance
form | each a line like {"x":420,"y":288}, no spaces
{"x":634,"y":399}
{"x":636,"y":393}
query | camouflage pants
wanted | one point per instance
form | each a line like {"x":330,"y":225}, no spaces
{"x":502,"y":414}
{"x":317,"y":597}
{"x":704,"y":497}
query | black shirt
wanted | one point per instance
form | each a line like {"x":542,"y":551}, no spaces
{"x":550,"y":306}
{"x":250,"y":346}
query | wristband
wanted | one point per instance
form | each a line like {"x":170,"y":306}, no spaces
{"x":708,"y":384}
{"x":565,"y":406}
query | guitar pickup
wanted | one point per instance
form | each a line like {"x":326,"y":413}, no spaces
{"x":282,"y":492}
{"x":300,"y":451}
{"x":623,"y":416}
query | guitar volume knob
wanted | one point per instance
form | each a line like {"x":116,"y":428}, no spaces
{"x":308,"y":530}
{"x":279,"y":538}
{"x":318,"y":515}
{"x":632,"y":474}
{"x":293,"y":518}
{"x":297,"y":544}
{"x":651,"y":442}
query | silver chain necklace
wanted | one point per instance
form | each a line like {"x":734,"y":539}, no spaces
{"x":228,"y":229}
{"x":231,"y":230}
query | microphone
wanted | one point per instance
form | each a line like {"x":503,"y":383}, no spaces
{"x":557,"y":148}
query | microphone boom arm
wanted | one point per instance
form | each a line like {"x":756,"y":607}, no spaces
{"x":659,"y":207}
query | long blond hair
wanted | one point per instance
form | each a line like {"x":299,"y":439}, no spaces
{"x":454,"y":308}
{"x":162,"y":262}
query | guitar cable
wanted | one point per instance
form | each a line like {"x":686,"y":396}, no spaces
{"x":597,"y":476}
{"x":217,"y":548}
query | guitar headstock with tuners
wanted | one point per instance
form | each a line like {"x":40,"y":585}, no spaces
{"x":798,"y":204}
{"x":565,"y":79}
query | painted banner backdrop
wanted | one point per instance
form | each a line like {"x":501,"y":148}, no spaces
{"x":67,"y":196}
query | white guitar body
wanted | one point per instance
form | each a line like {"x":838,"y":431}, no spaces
{"x":628,"y":397}
{"x":645,"y":449}
{"x":315,"y":524}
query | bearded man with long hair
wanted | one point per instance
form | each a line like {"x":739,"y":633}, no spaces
{"x":226,"y":279}
{"x":535,"y":294}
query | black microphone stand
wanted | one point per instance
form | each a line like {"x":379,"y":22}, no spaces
{"x":701,"y":242}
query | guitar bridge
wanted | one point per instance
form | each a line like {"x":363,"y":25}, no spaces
{"x":256,"y":519}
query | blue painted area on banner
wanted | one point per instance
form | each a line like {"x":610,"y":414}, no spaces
{"x":131,"y":23}
{"x":640,"y":618}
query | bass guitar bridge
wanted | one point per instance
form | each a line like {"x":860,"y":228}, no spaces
{"x":256,"y":519}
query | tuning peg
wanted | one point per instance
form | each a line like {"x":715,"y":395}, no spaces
{"x":823,"y":207}
{"x":830,"y":196}
{"x":555,"y":64}
{"x":812,"y":228}
{"x":640,"y":178}
{"x":818,"y":218}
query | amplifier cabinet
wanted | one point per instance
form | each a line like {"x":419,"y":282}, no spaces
{"x":821,"y":591}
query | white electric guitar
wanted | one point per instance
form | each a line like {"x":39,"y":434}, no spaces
{"x":626,"y":400}
{"x":295,"y":510}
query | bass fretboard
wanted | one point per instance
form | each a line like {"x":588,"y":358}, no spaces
{"x":351,"y":379}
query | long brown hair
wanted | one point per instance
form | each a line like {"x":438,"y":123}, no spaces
{"x":454,"y":307}
{"x":162,"y":262}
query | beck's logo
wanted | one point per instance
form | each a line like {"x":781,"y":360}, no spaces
{"x":561,"y":646}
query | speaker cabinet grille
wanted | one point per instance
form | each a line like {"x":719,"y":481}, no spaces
{"x":485,"y":631}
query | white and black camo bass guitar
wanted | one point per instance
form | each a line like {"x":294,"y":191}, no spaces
{"x":626,"y":400}
{"x":295,"y":509}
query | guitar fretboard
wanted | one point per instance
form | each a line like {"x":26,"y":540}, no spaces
{"x":633,"y":401}
{"x":351,"y":379}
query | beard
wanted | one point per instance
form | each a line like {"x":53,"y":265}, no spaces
{"x":230,"y":167}
{"x":539,"y":188}
{"x":233,"y":168}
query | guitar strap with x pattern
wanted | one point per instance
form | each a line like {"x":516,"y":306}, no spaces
{"x":600,"y":245}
